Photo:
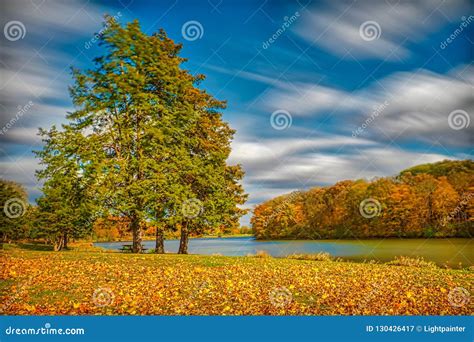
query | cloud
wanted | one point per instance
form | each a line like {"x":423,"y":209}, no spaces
{"x":419,"y":108}
{"x":308,"y":99}
{"x":35,"y":70}
{"x":55,"y":19}
{"x":256,"y":152}
{"x":248,"y":75}
{"x":336,"y":28}
{"x":418,"y":105}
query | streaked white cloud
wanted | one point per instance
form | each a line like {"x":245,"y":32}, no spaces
{"x":254,"y":152}
{"x":419,"y":103}
{"x":336,"y":28}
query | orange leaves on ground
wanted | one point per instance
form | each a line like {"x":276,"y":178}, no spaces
{"x":79,"y":283}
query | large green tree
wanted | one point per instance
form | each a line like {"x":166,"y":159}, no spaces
{"x":154,"y":143}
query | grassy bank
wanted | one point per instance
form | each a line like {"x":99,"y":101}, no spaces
{"x":97,"y":282}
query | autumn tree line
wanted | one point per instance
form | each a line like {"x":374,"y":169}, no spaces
{"x":144,"y":147}
{"x":430,"y":200}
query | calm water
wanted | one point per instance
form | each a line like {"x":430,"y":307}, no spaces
{"x":441,"y":251}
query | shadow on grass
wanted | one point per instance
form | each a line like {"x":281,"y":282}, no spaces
{"x":35,"y":246}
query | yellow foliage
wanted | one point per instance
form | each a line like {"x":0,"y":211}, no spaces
{"x":89,"y":283}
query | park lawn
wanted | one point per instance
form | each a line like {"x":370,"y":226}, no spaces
{"x":79,"y":282}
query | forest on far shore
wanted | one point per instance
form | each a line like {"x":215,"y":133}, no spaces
{"x":429,"y":200}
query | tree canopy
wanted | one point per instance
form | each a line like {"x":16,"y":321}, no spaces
{"x":148,"y":142}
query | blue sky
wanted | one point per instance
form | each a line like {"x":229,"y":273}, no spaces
{"x":317,"y":91}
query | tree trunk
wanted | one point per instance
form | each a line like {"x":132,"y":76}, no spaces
{"x":137,"y":235}
{"x":58,"y":243}
{"x":430,"y":209}
{"x":160,"y":243}
{"x":65,"y":240}
{"x":183,"y":242}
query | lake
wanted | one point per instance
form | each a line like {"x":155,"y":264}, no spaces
{"x":441,"y":251}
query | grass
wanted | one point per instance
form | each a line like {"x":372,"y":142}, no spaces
{"x":92,"y":281}
{"x":321,"y":256}
{"x":413,"y":262}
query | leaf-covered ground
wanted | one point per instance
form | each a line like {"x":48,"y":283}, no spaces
{"x":92,"y":282}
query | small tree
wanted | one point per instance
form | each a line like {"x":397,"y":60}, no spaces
{"x":65,"y":208}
